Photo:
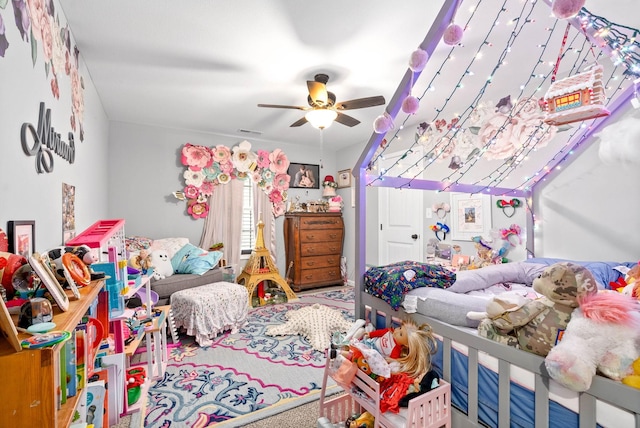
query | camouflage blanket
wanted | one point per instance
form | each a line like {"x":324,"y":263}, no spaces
{"x":391,"y":282}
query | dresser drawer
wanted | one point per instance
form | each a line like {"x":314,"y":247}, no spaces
{"x":320,"y":248}
{"x":316,"y":235}
{"x":326,"y":275}
{"x":320,"y":223}
{"x":315,"y":262}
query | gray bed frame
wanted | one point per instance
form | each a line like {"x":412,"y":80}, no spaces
{"x":602,"y":389}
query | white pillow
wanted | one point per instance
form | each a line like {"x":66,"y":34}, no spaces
{"x":170,"y":245}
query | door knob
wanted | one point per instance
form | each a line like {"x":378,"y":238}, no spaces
{"x":414,"y":236}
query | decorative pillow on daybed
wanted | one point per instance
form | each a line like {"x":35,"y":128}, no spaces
{"x":480,"y":279}
{"x":195,"y":260}
{"x":391,"y":282}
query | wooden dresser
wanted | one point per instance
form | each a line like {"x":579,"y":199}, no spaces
{"x":313,"y":242}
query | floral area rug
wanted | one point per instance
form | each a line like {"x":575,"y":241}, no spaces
{"x":243,"y":377}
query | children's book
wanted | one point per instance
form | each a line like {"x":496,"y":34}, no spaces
{"x":70,"y":352}
{"x":96,"y":393}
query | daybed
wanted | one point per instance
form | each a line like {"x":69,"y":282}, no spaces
{"x":497,"y":385}
{"x":191,"y":266}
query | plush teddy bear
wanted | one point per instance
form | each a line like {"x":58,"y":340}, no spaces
{"x":538,"y":324}
{"x":603,"y":336}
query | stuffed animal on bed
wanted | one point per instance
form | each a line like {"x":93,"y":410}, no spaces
{"x":603,"y":335}
{"x":537,"y":326}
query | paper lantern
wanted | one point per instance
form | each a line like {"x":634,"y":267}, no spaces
{"x":410,"y":105}
{"x":418,"y":60}
{"x":453,"y":34}
{"x":382,"y":124}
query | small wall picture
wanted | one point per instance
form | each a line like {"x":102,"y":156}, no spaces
{"x":22,"y":237}
{"x":344,"y":178}
{"x":68,"y":212}
{"x":304,"y":176}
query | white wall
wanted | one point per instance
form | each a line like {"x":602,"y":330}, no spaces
{"x":26,"y":195}
{"x":145,"y":168}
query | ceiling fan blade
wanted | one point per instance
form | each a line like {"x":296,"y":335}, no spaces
{"x":298,"y":122}
{"x":346,"y":119}
{"x":281,"y":106}
{"x":361,"y":103}
{"x":318,"y":92}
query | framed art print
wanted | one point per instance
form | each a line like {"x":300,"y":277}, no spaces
{"x":470,"y":216}
{"x":344,"y":178}
{"x":304,"y":176}
{"x":22,"y":237}
{"x":41,"y":266}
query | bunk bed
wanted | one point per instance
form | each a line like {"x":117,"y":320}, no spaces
{"x":491,"y":384}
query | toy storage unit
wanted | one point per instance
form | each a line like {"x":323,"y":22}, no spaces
{"x":429,"y":410}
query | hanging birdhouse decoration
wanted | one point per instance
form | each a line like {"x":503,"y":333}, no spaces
{"x":576,"y":98}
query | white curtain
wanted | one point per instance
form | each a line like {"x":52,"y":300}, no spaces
{"x":224,"y":221}
{"x":262,"y":208}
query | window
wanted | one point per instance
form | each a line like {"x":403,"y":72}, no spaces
{"x":248,"y":223}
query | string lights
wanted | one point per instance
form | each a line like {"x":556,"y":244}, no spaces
{"x":443,"y":139}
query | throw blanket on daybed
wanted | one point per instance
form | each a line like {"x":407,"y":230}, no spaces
{"x":390,"y":283}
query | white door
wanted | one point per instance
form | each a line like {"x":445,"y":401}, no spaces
{"x":400,"y":212}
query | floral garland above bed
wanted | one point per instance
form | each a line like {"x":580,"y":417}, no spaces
{"x":208,"y":168}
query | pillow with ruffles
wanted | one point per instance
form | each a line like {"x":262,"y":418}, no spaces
{"x":195,"y":260}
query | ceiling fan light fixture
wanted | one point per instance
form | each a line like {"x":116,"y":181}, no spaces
{"x":321,"y":118}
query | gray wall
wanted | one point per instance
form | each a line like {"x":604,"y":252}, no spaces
{"x":145,"y":168}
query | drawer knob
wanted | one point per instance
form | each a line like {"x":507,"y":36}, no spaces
{"x":330,"y":262}
{"x":310,"y":263}
{"x":311,"y":236}
{"x":333,"y":249}
{"x":309,"y":277}
{"x":333,"y":236}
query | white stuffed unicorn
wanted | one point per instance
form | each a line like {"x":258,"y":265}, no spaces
{"x":603,"y":335}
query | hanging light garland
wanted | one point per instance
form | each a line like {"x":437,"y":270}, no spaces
{"x":616,"y":40}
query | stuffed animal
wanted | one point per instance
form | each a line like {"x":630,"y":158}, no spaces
{"x":504,"y":302}
{"x":537,"y":326}
{"x":161,"y":263}
{"x":428,"y":382}
{"x":365,"y":420}
{"x":141,"y":261}
{"x":603,"y":336}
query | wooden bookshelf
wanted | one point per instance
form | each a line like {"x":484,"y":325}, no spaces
{"x":29,"y":386}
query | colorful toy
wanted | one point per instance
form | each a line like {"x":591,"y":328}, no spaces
{"x":633,"y":380}
{"x":538,"y":325}
{"x":365,"y":420}
{"x":602,"y":335}
{"x":162,"y":264}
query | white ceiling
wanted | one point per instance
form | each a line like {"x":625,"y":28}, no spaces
{"x":205,"y":65}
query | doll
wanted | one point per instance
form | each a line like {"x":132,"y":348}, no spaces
{"x":410,"y":344}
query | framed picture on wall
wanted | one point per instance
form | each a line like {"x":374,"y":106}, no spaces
{"x":22,"y":237}
{"x":344,"y":178}
{"x":304,"y":176}
{"x":470,"y":216}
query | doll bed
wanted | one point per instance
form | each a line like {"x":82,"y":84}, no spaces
{"x":429,"y":410}
{"x":498,"y":386}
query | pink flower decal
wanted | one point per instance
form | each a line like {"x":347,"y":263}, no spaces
{"x":191,"y":192}
{"x":221,"y":153}
{"x":279,"y":162}
{"x":263,"y":159}
{"x":196,"y":157}
{"x":281,"y":181}
{"x":209,"y":167}
{"x":198,"y":209}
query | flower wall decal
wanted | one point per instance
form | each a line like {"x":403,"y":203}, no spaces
{"x":208,"y":168}
{"x":40,"y":27}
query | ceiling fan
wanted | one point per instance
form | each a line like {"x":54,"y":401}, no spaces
{"x":323,"y":110}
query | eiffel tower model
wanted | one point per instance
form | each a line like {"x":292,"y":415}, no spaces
{"x":260,"y":268}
